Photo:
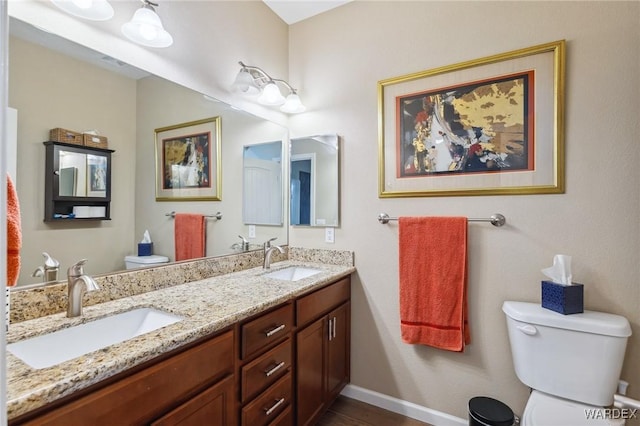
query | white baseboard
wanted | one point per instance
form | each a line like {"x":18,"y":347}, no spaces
{"x":409,"y":409}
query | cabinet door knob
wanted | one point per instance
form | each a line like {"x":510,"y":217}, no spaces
{"x":273,"y":369}
{"x":274,"y":330}
{"x":268,"y":411}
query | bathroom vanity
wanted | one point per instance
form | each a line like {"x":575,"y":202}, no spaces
{"x":251,"y":350}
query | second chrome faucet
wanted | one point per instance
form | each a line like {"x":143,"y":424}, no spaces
{"x":75,"y":280}
{"x":268,"y":250}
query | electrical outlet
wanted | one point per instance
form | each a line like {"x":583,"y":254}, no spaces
{"x":329,"y":236}
{"x":252,"y":231}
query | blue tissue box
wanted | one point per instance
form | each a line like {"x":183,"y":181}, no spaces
{"x":145,"y":249}
{"x":566,"y":299}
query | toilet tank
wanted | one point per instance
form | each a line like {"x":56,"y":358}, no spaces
{"x":577,"y":357}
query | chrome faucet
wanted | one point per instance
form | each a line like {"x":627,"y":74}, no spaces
{"x":48,"y":271}
{"x":245,"y":243}
{"x":75,"y":279}
{"x":267,"y":243}
{"x":267,"y":255}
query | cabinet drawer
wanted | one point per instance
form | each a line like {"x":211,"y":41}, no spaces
{"x":150,"y":392}
{"x":263,"y":371}
{"x":268,"y":406}
{"x":322,"y":301}
{"x":265,"y":330}
{"x":284,"y":419}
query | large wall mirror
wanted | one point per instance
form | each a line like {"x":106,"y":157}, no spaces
{"x":314,"y":181}
{"x":56,"y":83}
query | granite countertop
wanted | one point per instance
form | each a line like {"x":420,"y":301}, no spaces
{"x":207,"y":305}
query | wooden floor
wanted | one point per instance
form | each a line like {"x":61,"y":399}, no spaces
{"x":349,"y":412}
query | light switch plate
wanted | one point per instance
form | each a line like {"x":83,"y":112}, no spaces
{"x":329,"y":236}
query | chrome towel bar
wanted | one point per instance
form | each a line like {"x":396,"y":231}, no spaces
{"x":495,"y":219}
{"x":217,"y":216}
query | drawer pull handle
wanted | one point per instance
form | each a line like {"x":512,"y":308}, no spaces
{"x":268,"y":411}
{"x":274,"y":330}
{"x":274,"y":369}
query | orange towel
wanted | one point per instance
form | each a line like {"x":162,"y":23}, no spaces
{"x":14,"y":234}
{"x":433,"y":281}
{"x":189,"y":236}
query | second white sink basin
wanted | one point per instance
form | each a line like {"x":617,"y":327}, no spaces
{"x":293,"y":273}
{"x":59,"y":346}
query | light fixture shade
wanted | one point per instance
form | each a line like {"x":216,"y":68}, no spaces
{"x":94,"y":10}
{"x":244,"y":83}
{"x":293,"y":104}
{"x":145,"y":28}
{"x":271,"y":95}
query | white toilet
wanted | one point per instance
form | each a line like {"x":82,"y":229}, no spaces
{"x":572,"y":363}
{"x":134,"y":262}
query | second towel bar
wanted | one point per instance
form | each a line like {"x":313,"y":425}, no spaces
{"x":217,"y":216}
{"x":495,"y":219}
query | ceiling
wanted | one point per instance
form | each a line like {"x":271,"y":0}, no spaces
{"x":292,"y":11}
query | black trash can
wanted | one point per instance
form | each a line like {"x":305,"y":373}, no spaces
{"x":485,"y":411}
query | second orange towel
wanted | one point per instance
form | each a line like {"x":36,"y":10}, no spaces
{"x":433,"y":281}
{"x":189,"y":236}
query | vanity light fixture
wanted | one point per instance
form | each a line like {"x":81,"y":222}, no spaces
{"x":94,"y":10}
{"x":252,"y":80}
{"x":145,"y":27}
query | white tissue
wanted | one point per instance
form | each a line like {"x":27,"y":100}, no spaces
{"x":560,"y":272}
{"x":146,"y":239}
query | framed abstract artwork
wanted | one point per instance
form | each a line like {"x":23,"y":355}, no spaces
{"x":490,"y":126}
{"x":188,"y":166}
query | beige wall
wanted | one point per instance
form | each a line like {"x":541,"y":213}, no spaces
{"x":50,"y":90}
{"x":337,"y":59}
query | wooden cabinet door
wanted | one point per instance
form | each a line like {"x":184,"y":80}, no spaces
{"x":338,"y":350}
{"x":310,"y":365}
{"x":214,"y":406}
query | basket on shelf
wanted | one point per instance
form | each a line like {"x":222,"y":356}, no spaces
{"x":67,"y":136}
{"x":95,"y":141}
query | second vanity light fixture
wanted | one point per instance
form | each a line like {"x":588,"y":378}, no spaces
{"x":144,"y":28}
{"x":252,"y":80}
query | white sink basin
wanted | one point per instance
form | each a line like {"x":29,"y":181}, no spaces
{"x":293,"y":273}
{"x":53,"y":348}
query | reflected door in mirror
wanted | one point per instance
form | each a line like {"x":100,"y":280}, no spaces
{"x":262,"y":196}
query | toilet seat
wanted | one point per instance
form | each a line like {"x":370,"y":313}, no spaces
{"x":547,"y":410}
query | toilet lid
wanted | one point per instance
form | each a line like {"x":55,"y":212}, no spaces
{"x":154,"y":258}
{"x":547,"y":410}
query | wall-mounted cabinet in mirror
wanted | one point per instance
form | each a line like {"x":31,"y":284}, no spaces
{"x":314,"y":185}
{"x":77,"y":182}
{"x":262,"y":193}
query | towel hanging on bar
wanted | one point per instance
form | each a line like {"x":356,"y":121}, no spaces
{"x":217,"y":216}
{"x":495,"y":219}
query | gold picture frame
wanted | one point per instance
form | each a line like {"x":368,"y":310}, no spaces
{"x":188,"y":166}
{"x":490,"y":126}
